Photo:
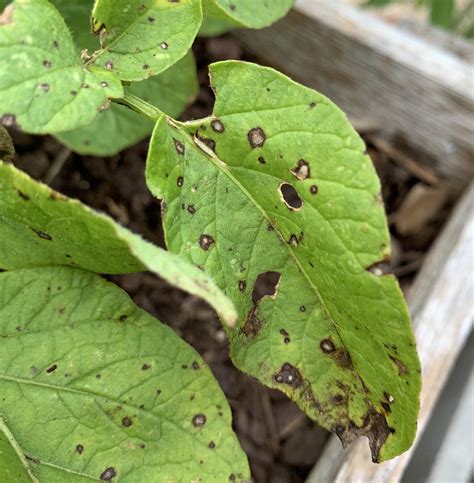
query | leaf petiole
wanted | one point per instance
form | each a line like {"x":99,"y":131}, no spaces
{"x":139,"y":106}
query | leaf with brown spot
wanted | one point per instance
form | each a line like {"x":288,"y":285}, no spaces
{"x":36,"y":93}
{"x":95,"y":428}
{"x":41,"y":227}
{"x":316,"y":191}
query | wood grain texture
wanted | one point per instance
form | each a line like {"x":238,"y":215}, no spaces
{"x":441,"y":306}
{"x":418,"y":93}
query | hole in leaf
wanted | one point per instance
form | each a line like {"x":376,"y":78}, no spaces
{"x":290,"y":196}
{"x":265,"y":285}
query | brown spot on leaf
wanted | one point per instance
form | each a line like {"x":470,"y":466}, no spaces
{"x":402,"y":370}
{"x":47,"y":64}
{"x":252,"y":323}
{"x":327,"y":346}
{"x":242,"y":285}
{"x":302,"y":170}
{"x":256,"y":137}
{"x":79,"y":448}
{"x":164,"y":45}
{"x":313,"y":189}
{"x":145,"y":367}
{"x":342,"y":358}
{"x":217,"y":126}
{"x":205,"y":241}
{"x":127,"y":422}
{"x":179,"y":147}
{"x":191,"y":209}
{"x":290,"y":196}
{"x":288,"y":374}
{"x":42,"y":234}
{"x":212,"y":445}
{"x":180,"y":181}
{"x":108,"y":474}
{"x":199,"y":420}
{"x":109,"y":65}
{"x":52,"y":368}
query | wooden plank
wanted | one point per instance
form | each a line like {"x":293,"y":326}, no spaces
{"x":441,"y":306}
{"x":420,"y":94}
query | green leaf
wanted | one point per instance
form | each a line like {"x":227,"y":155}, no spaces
{"x":43,"y":87}
{"x":13,"y":464}
{"x":40,"y":227}
{"x":276,"y":180}
{"x":119,"y":127}
{"x":442,"y":13}
{"x":78,"y":18}
{"x":141,"y":38}
{"x":247,"y":13}
{"x":215,"y":26}
{"x":93,"y":388}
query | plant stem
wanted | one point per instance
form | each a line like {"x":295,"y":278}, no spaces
{"x":140,"y":106}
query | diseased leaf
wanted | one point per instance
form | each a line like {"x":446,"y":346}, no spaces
{"x":141,"y":38}
{"x":275,"y":189}
{"x":247,"y":13}
{"x":13,"y":464}
{"x":119,"y":127}
{"x":43,"y":86}
{"x":40,"y":227}
{"x":93,"y":388}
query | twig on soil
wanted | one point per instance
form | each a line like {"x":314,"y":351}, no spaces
{"x":57,"y":165}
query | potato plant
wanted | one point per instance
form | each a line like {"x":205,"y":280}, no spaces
{"x":275,"y":187}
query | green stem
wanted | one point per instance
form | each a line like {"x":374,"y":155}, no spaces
{"x":140,"y":106}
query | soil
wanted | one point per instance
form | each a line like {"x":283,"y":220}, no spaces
{"x":281,"y":442}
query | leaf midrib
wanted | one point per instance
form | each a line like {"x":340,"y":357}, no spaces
{"x":223,"y":167}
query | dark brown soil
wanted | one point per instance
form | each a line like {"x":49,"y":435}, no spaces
{"x":281,"y":442}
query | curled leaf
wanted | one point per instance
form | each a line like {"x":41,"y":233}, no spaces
{"x":40,"y":227}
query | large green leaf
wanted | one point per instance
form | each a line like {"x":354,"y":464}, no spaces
{"x":246,"y":13}
{"x":40,"y":227}
{"x":120,"y":127}
{"x":13,"y":464}
{"x":93,"y":388}
{"x":141,"y":38}
{"x":276,"y":180}
{"x":43,"y":87}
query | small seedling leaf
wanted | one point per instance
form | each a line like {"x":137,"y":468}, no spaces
{"x":274,"y":197}
{"x":94,"y":388}
{"x":119,"y":127}
{"x":44,"y":88}
{"x":141,"y":38}
{"x":40,"y":227}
